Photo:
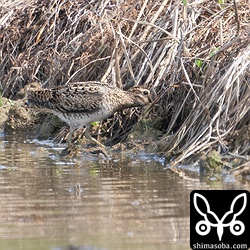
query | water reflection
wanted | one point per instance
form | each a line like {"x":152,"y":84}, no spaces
{"x":129,"y":202}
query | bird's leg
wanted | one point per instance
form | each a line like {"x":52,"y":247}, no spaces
{"x":88,"y":136}
{"x":101,"y":146}
{"x":69,"y":138}
{"x":77,"y":139}
{"x":71,"y":149}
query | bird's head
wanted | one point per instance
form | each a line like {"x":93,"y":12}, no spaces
{"x":140,"y":95}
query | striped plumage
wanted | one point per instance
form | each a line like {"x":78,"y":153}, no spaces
{"x":78,"y":104}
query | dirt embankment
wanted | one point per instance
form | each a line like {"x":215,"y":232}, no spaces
{"x":17,"y":119}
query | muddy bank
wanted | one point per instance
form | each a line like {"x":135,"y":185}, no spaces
{"x":17,"y":119}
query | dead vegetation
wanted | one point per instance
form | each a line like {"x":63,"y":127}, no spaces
{"x":193,"y":55}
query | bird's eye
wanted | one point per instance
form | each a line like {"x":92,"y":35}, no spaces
{"x":145,"y":92}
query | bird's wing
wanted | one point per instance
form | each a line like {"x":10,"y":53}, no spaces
{"x":77,"y":98}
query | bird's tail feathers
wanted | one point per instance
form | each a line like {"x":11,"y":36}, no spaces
{"x":40,"y":95}
{"x":39,"y":98}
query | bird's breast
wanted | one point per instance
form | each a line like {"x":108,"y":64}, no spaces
{"x":78,"y":120}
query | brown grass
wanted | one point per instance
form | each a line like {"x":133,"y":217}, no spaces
{"x":194,"y":56}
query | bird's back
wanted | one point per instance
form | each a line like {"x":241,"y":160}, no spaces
{"x":72,"y":98}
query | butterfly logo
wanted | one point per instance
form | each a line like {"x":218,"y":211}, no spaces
{"x":236,"y":227}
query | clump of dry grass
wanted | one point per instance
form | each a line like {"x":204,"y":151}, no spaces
{"x":194,"y":56}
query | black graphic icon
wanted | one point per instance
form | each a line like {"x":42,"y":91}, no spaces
{"x":219,"y":218}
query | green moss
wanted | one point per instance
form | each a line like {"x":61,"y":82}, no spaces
{"x":211,"y":162}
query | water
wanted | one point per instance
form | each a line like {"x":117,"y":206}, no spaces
{"x":129,"y":202}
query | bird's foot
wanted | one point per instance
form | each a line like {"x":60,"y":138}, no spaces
{"x":71,"y":151}
{"x":98,"y":150}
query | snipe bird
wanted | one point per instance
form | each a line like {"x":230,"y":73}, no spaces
{"x":78,"y":104}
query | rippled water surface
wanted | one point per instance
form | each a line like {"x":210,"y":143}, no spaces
{"x":130,"y":202}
